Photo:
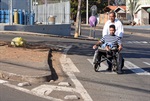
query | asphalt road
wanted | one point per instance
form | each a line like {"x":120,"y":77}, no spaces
{"x":133,"y":85}
{"x":11,"y":94}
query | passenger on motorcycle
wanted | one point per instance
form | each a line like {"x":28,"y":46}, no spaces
{"x":108,"y":42}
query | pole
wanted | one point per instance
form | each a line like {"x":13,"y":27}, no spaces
{"x":45,"y":11}
{"x":87,"y":11}
{"x":11,"y":15}
{"x":0,"y":5}
{"x":31,"y":6}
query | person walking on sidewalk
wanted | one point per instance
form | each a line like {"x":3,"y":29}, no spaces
{"x":112,"y":20}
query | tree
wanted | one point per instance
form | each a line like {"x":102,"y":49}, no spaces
{"x":133,"y":6}
{"x":78,"y":19}
{"x":74,"y":5}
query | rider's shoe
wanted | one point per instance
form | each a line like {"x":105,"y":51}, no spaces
{"x":109,"y":69}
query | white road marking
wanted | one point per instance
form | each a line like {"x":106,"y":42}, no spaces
{"x":32,"y":93}
{"x":67,"y":62}
{"x":79,"y":87}
{"x":135,"y":69}
{"x":129,"y":65}
{"x":44,"y":88}
{"x":144,"y":42}
{"x":68,"y":65}
{"x":137,"y":42}
{"x":3,"y":81}
{"x":147,"y":63}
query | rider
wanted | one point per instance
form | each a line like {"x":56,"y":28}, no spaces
{"x":109,"y":41}
{"x":112,"y":20}
{"x":119,"y":31}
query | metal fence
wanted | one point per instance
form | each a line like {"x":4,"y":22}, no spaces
{"x":41,"y":9}
{"x":60,"y":11}
{"x":16,"y":4}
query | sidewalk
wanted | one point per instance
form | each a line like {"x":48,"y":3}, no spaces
{"x":143,"y":31}
{"x":32,"y":64}
{"x":145,"y":27}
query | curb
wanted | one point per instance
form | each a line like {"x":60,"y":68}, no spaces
{"x":127,"y":32}
{"x":49,"y":35}
{"x":30,"y":79}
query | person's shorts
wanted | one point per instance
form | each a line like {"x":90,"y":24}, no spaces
{"x":106,"y":44}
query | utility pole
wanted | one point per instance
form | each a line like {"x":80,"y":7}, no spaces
{"x":78,"y":24}
{"x":87,"y":14}
{"x":0,"y":5}
{"x":108,"y":2}
{"x":45,"y":11}
{"x":11,"y":15}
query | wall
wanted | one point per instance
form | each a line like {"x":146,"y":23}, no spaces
{"x":103,"y":18}
{"x":59,"y":29}
{"x":141,"y":16}
{"x":60,"y":10}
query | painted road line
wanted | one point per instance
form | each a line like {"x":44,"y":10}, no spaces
{"x":68,"y":65}
{"x":144,"y":42}
{"x":3,"y":81}
{"x":78,"y":86}
{"x":135,"y":69}
{"x":146,"y":63}
{"x":137,"y":42}
{"x":32,"y":93}
{"x":42,"y":89}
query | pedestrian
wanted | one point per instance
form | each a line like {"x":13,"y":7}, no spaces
{"x":113,"y":20}
{"x":119,"y":31}
{"x":109,"y":42}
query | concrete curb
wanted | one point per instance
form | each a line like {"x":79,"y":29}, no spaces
{"x":30,"y":79}
{"x":49,"y":35}
{"x":133,"y":33}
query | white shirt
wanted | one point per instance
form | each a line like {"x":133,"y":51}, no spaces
{"x":119,"y":28}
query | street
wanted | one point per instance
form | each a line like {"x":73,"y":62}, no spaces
{"x":88,"y":85}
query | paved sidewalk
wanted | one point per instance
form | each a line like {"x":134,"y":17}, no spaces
{"x":28,"y":65}
{"x":143,"y":31}
{"x":145,"y":27}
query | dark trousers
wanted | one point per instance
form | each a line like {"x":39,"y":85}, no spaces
{"x":120,"y":60}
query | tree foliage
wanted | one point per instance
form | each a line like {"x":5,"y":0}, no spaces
{"x":74,"y":4}
{"x":133,"y":6}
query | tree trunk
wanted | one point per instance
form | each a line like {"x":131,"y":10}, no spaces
{"x":132,"y":11}
{"x":78,"y":24}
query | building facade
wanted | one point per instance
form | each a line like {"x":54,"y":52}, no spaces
{"x":141,"y":13}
